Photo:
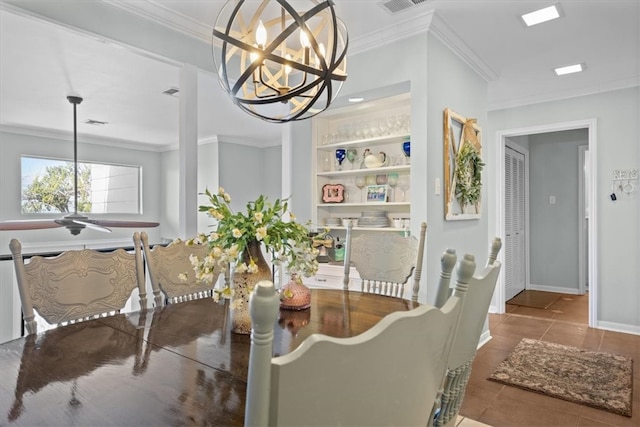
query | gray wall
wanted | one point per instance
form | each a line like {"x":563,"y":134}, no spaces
{"x":618,"y":245}
{"x":436,"y":79}
{"x":244,"y":171}
{"x":553,"y":171}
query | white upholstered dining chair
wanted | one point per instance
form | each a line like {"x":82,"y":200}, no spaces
{"x":165,"y":264}
{"x":472,"y":320}
{"x":75,"y":285}
{"x":380,"y":377}
{"x":385,"y":261}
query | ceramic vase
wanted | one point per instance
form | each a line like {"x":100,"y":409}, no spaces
{"x":295,"y":295}
{"x":243,"y":284}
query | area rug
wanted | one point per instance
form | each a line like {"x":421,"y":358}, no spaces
{"x":598,"y":379}
{"x":535,"y":299}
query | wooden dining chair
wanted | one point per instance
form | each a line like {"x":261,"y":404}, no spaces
{"x":75,"y":285}
{"x":380,"y":377}
{"x":472,"y":322}
{"x":165,"y":264}
{"x":385,"y":261}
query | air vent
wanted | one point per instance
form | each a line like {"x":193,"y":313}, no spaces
{"x":395,"y":6}
{"x":171,"y":91}
{"x":96,"y":122}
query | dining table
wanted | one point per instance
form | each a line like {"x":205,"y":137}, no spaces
{"x":173,"y":365}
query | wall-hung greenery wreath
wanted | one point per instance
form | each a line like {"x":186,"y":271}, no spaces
{"x":468,"y":173}
{"x":462,"y":166}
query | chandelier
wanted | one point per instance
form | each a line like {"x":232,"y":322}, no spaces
{"x":279,"y":64}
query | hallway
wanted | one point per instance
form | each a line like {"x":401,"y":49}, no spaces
{"x":567,"y":307}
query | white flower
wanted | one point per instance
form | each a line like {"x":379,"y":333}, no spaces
{"x":261,"y":232}
{"x":182,"y":277}
{"x":236,"y":233}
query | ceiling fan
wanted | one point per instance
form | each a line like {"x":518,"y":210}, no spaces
{"x":74,"y":222}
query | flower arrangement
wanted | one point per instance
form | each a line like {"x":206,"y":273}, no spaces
{"x":263,"y":222}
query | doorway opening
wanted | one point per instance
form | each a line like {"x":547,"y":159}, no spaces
{"x":589,"y":223}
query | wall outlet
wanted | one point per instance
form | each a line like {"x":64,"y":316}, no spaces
{"x":552,"y":200}
{"x":436,"y":186}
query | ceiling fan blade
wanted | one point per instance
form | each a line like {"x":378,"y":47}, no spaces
{"x":28,"y":224}
{"x":92,"y":225}
{"x":120,"y":223}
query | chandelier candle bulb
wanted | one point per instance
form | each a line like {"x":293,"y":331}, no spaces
{"x":273,"y":78}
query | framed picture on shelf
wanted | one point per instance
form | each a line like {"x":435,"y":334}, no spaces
{"x":333,"y":193}
{"x":376,"y":193}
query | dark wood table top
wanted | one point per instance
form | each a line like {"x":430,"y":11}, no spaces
{"x":176,"y":365}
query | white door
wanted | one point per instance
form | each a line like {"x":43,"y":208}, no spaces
{"x":515,"y":239}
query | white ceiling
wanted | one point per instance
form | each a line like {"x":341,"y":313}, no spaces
{"x":42,"y":62}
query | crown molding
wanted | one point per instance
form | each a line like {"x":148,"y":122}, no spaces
{"x":68,"y":136}
{"x":560,"y":95}
{"x":165,"y":16}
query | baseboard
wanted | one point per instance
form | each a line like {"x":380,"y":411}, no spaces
{"x":557,"y":289}
{"x":485,"y":337}
{"x":619,"y":327}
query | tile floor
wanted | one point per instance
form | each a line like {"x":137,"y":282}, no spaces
{"x":565,"y":322}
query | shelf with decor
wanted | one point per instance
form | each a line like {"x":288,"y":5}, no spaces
{"x":361,"y":165}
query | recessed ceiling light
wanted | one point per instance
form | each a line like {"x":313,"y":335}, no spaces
{"x":569,"y":69}
{"x":356,"y":99}
{"x":541,"y":15}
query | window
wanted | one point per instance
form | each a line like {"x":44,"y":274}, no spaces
{"x":47,"y":186}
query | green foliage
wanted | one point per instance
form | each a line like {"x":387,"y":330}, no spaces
{"x":286,"y":240}
{"x":468,"y":175}
{"x":53,"y":192}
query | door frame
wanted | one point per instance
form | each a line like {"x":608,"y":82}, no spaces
{"x":502,"y":135}
{"x":522,"y":150}
{"x":583,"y":206}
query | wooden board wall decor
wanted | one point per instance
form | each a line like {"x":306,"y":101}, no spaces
{"x":462,"y":166}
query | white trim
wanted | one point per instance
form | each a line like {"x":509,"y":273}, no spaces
{"x":619,"y":327}
{"x":557,"y":289}
{"x":501,"y":136}
{"x":592,"y":89}
{"x":583,"y":151}
{"x":485,"y":337}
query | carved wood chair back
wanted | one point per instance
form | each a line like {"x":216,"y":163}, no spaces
{"x":167,"y":264}
{"x":385,"y":261}
{"x":316,"y":383}
{"x":75,"y":285}
{"x":474,"y":314}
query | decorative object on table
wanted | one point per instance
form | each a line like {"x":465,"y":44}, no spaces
{"x":374,"y":160}
{"x":292,"y":75}
{"x":295,"y":295}
{"x":406,"y":150}
{"x":352,"y":155}
{"x":333,"y":193}
{"x":239,"y":239}
{"x":462,"y":166}
{"x":593,"y":378}
{"x":377,"y":193}
{"x":341,"y":154}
